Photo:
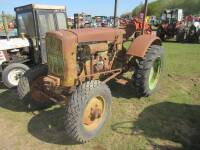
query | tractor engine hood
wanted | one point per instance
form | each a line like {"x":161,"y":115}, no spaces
{"x":91,"y":34}
{"x":13,"y":43}
{"x":98,"y":34}
{"x":69,"y":40}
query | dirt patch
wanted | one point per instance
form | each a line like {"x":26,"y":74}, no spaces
{"x":99,"y":147}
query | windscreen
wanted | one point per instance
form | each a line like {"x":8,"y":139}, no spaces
{"x":46,"y":23}
{"x":62,"y":22}
{"x":169,"y":16}
{"x":175,"y":15}
{"x":26,"y":24}
{"x":164,"y":16}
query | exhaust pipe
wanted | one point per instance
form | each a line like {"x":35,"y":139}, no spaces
{"x":145,"y":14}
{"x":115,"y":13}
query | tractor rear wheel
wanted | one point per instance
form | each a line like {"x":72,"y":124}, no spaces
{"x":25,"y":88}
{"x":148,"y":71}
{"x":87,"y":111}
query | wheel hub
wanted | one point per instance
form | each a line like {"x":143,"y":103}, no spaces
{"x":155,"y":73}
{"x":93,"y":113}
{"x":14,"y":76}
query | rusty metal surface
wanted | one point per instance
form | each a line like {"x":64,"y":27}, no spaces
{"x":113,"y":76}
{"x":69,"y":42}
{"x":141,"y":44}
{"x":98,"y":34}
{"x":92,"y":34}
{"x":71,"y":38}
{"x":36,"y":92}
{"x":121,"y":81}
{"x":100,"y":63}
{"x":93,"y":48}
{"x":113,"y":73}
{"x":53,"y":80}
{"x":48,"y":88}
{"x":55,"y":56}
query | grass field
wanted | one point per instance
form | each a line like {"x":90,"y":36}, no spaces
{"x":168,"y":120}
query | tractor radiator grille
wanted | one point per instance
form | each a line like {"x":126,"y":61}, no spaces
{"x":55,"y":56}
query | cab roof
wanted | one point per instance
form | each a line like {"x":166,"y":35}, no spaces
{"x":39,"y":6}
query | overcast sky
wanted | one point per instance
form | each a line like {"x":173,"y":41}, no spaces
{"x":94,"y":7}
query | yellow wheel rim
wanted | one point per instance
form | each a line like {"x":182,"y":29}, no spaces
{"x":93,"y":113}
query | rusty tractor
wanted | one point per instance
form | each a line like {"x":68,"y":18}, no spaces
{"x":80,"y":63}
{"x":28,"y":49}
{"x":134,"y":27}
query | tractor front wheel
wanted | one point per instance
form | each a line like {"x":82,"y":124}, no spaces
{"x":87,"y":111}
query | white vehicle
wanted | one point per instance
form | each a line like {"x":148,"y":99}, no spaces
{"x":29,"y":48}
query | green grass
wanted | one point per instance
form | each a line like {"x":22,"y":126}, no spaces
{"x":170,"y":119}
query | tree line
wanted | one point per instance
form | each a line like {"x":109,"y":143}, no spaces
{"x":9,"y":18}
{"x":190,"y":7}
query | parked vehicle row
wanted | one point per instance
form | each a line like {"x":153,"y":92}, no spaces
{"x":175,"y":25}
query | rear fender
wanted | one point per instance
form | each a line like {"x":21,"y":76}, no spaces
{"x":140,"y":45}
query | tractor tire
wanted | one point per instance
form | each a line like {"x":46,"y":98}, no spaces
{"x":12,"y":74}
{"x":180,"y":36}
{"x":193,"y":35}
{"x":87,"y":111}
{"x":161,"y":33}
{"x":198,"y":35}
{"x":147,"y":71}
{"x":24,"y":88}
{"x":199,"y":38}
